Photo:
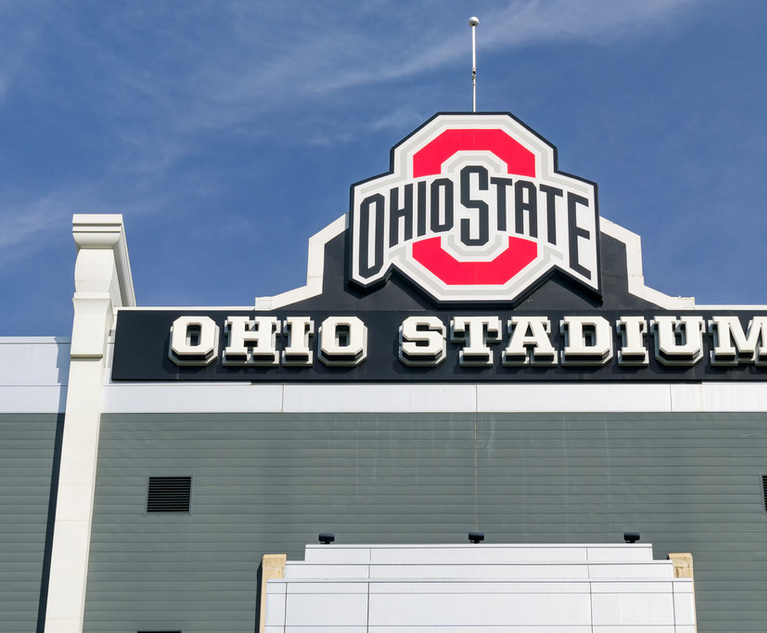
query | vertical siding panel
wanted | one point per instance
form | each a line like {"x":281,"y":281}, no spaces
{"x":261,"y":484}
{"x":27,"y":457}
{"x":269,"y":483}
{"x":686,"y":482}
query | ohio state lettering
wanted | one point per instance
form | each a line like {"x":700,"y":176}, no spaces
{"x":474,"y":209}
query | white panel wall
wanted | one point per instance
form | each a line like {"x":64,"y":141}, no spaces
{"x":498,"y":588}
{"x":33,"y":374}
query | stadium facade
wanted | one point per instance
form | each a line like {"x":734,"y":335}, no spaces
{"x":475,"y":350}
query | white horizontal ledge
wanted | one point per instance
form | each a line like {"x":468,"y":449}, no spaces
{"x":191,"y":397}
{"x":32,"y":398}
{"x":573,"y":397}
{"x":394,"y":398}
{"x":432,"y":398}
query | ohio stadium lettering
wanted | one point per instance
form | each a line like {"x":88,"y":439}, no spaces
{"x":475,"y":341}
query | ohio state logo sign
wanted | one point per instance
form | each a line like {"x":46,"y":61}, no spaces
{"x":474,"y":209}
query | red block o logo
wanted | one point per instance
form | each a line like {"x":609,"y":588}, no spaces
{"x":429,"y":253}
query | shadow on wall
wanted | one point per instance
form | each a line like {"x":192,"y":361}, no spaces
{"x":51,"y":520}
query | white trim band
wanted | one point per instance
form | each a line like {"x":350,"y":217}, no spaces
{"x":434,"y":398}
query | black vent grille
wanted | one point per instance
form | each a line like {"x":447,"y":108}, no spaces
{"x":169,"y":494}
{"x":764,"y":491}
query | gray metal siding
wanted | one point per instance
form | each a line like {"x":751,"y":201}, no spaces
{"x":27,"y":451}
{"x":269,"y":483}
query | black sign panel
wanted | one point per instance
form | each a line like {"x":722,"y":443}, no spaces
{"x":143,"y":351}
{"x":473,"y":259}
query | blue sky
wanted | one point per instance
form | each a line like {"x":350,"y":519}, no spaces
{"x":228,"y":132}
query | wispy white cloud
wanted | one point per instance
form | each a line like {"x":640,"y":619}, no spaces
{"x":30,"y":228}
{"x":161,"y":82}
{"x":31,"y":222}
{"x":405,"y":117}
{"x":602,"y":21}
{"x":20,"y":31}
{"x":216,"y":67}
{"x":338,"y":59}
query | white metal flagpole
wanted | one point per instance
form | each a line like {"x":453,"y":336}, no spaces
{"x":473,"y":23}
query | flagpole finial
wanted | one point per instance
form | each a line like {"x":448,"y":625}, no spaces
{"x":473,"y":23}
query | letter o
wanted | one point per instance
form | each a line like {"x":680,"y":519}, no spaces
{"x":343,"y":341}
{"x":193,"y":341}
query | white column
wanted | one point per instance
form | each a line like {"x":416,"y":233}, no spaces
{"x":103,"y":283}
